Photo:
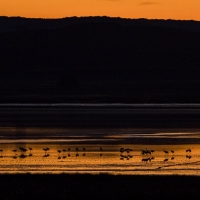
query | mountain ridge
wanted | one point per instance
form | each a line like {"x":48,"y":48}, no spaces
{"x":15,"y":23}
{"x":100,"y":60}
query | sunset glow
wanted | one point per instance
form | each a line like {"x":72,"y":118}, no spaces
{"x":158,"y":9}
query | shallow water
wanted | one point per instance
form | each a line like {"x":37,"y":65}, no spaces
{"x":112,"y":127}
{"x":93,"y":160}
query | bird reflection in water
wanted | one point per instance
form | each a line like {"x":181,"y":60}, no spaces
{"x":188,"y":156}
{"x":69,"y":152}
{"x":101,"y":149}
{"x":1,"y":155}
{"x":30,"y":149}
{"x":84,"y":151}
{"x":124,"y":154}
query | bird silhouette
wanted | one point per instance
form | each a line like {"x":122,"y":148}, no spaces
{"x":101,"y":149}
{"x":23,"y":149}
{"x":46,"y":155}
{"x":45,"y":150}
{"x":129,"y":156}
{"x":127,"y":150}
{"x":166,"y":152}
{"x":123,"y":156}
{"x":84,"y":151}
{"x":22,"y":156}
{"x":146,"y":151}
{"x":15,"y":156}
{"x":146,"y":159}
{"x":188,"y":156}
{"x":69,"y":152}
{"x":188,"y":150}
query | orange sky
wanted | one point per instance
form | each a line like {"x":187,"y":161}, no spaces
{"x":152,"y":9}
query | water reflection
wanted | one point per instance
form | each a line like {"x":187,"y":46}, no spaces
{"x":92,"y":158}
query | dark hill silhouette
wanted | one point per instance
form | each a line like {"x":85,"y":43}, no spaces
{"x":99,"y":59}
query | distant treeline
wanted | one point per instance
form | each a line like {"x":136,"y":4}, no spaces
{"x":100,"y":60}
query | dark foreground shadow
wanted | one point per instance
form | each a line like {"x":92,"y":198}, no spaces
{"x":97,"y":186}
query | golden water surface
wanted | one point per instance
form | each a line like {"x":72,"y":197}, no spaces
{"x":95,"y":158}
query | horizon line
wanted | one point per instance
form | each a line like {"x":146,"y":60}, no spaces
{"x":99,"y":16}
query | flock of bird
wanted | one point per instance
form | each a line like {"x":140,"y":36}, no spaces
{"x":149,"y":154}
{"x":46,"y":152}
{"x":124,"y":153}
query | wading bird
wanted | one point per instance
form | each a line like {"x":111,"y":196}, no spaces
{"x":84,"y":151}
{"x":188,"y":157}
{"x":188,"y":150}
{"x":30,"y":149}
{"x":123,"y":156}
{"x":22,"y":156}
{"x":45,"y":150}
{"x":166,"y":152}
{"x":146,"y":159}
{"x":101,"y":151}
{"x":15,"y":156}
{"x":1,"y":150}
{"x":23,"y":149}
{"x":64,"y":150}
{"x":69,"y":152}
